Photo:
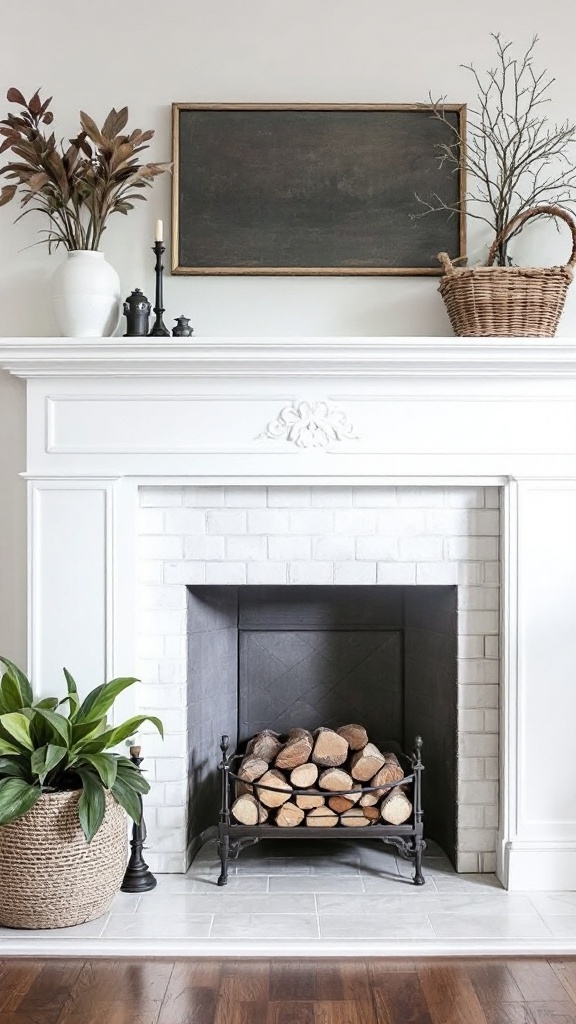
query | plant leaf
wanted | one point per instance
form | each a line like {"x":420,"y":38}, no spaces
{"x":72,"y":697}
{"x":16,"y":798}
{"x":47,"y":703}
{"x":130,"y":726}
{"x":127,"y":798}
{"x":87,"y":731}
{"x":35,"y":105}
{"x":101,"y":699}
{"x":106,"y":765}
{"x":92,"y":130}
{"x":15,"y":96}
{"x":92,"y":803}
{"x":60,"y":725}
{"x":18,"y":727}
{"x":14,"y":767}
{"x":15,"y":687}
{"x":45,"y":759}
{"x":8,"y":748}
{"x":133,"y":775}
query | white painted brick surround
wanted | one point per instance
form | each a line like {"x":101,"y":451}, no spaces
{"x":319,"y":535}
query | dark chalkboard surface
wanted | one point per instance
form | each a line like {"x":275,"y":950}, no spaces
{"x":312,"y":189}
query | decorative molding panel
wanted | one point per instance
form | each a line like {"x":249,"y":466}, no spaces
{"x":310,"y":425}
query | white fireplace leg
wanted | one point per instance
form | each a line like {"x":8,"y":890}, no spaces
{"x":539,"y":822}
{"x":78,"y":606}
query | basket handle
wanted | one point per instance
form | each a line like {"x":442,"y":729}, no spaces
{"x":521,"y":218}
{"x":444,"y":259}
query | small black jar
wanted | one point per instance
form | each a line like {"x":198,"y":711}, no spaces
{"x":137,"y":312}
{"x":182,"y":329}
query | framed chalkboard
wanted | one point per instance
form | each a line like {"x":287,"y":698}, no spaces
{"x":313,"y":189}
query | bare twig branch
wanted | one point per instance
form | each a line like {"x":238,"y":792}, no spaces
{"x":514,"y":157}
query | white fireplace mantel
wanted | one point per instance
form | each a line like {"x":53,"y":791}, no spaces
{"x":295,"y":357}
{"x":105,"y":418}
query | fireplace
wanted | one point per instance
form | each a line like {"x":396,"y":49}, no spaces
{"x":419,"y":563}
{"x":317,"y":462}
{"x":307,"y":657}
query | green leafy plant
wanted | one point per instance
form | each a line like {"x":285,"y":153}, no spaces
{"x":77,"y":186}
{"x":43,"y":749}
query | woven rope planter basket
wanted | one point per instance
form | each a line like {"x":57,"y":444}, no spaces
{"x":508,"y":302}
{"x":50,"y":877}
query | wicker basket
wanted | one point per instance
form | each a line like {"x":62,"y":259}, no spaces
{"x":508,"y":302}
{"x":50,"y":877}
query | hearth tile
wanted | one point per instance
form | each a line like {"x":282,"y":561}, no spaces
{"x":554,"y":903}
{"x":495,"y":925}
{"x":481,"y":882}
{"x":236,"y":904}
{"x":346,"y":926}
{"x":377,"y":857}
{"x":395,"y":886}
{"x":427,"y":903}
{"x":165,"y":904}
{"x":125,"y":902}
{"x":333,"y":866}
{"x":438,"y":866}
{"x":199,"y":882}
{"x":337,"y":849}
{"x":561,"y":926}
{"x":316,"y":883}
{"x":473,"y":883}
{"x":159,"y":925}
{"x":262,"y":926}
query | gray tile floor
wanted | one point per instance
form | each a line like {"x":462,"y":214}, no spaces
{"x":287,"y":895}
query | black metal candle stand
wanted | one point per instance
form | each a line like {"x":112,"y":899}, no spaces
{"x":159,"y":329}
{"x":138,"y":877}
{"x":408,"y":838}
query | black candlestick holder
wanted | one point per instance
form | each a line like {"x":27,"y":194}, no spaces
{"x":138,"y":877}
{"x":159,"y":329}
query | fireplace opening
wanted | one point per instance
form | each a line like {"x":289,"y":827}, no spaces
{"x":278,"y":657}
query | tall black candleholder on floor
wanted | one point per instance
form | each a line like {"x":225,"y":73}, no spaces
{"x":159,"y":329}
{"x":138,"y":877}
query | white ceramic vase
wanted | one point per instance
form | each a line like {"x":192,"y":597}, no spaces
{"x":86,"y":295}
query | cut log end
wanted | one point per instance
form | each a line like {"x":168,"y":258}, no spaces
{"x":304,"y":776}
{"x":322,"y":817}
{"x":355,"y":735}
{"x":366,"y":762}
{"x":296,"y":750}
{"x":267,"y":745}
{"x":248,"y":811}
{"x":335,"y":779}
{"x":396,"y":808}
{"x":289,"y":815}
{"x":330,"y":749}
{"x":277,"y":790}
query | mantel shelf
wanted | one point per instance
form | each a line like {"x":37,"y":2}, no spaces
{"x":289,"y":357}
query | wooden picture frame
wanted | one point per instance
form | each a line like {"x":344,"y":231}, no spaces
{"x":319,"y":189}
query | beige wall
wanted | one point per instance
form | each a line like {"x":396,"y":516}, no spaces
{"x":147,"y":55}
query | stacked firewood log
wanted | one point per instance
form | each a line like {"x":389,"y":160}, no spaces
{"x":342,"y":768}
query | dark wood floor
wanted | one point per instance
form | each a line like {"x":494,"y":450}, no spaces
{"x":522,"y":991}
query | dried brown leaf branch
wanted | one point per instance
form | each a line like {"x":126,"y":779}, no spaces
{"x":78,"y":186}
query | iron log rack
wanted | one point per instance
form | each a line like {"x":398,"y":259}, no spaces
{"x":408,"y":838}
